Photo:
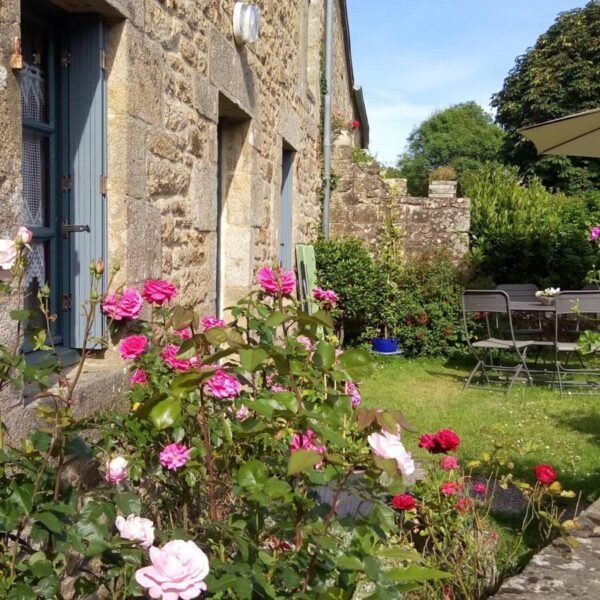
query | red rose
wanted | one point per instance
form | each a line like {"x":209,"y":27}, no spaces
{"x":403,"y":502}
{"x":450,"y":488}
{"x":545,"y":474}
{"x":464,"y":505}
{"x":428,"y":441}
{"x":445,"y":440}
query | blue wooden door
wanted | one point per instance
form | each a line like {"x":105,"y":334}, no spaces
{"x":87,"y":164}
{"x":286,"y":209}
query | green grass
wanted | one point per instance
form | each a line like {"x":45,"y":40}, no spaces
{"x":536,"y":423}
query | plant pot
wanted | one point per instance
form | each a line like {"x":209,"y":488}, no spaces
{"x":385,"y":345}
{"x":547,"y":300}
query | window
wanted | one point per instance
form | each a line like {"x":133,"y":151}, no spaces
{"x":63,"y":112}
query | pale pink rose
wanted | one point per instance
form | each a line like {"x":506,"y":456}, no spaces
{"x":116,"y":470}
{"x":276,"y":282}
{"x":242,"y":413}
{"x":170,"y":358}
{"x":24,"y":236}
{"x":133,"y":346}
{"x":136,"y":529}
{"x":222,"y":385}
{"x":158,"y":291}
{"x":184,"y":334}
{"x":352,"y":391}
{"x":209,"y":321}
{"x":178,"y":570}
{"x":174,"y":456}
{"x":328,"y":297}
{"x":306,"y":342}
{"x":448,"y":463}
{"x":388,"y":445}
{"x":126,"y":304}
{"x":139,"y":376}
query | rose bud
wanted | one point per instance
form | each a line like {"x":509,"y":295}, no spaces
{"x":24,"y":236}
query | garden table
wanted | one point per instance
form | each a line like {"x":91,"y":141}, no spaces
{"x":532,"y":306}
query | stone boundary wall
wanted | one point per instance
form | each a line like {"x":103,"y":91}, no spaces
{"x":363,"y":200}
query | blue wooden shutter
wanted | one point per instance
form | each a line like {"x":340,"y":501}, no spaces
{"x":286,"y":209}
{"x":87,"y":161}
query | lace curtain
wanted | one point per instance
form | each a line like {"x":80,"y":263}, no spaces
{"x":35,"y":164}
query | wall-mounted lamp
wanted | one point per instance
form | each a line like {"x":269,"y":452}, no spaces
{"x":246,"y":23}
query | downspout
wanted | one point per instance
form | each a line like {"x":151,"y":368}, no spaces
{"x":327,"y":117}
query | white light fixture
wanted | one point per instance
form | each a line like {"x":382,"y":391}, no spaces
{"x":246,"y":19}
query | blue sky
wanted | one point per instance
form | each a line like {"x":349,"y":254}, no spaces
{"x":415,"y":56}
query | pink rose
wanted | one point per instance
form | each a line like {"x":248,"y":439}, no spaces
{"x":116,"y":470}
{"x":328,"y":297}
{"x":448,"y":463}
{"x":464,"y":505}
{"x":306,"y":342}
{"x":136,"y":529}
{"x":126,"y":304}
{"x":208,"y":322}
{"x":307,"y":441}
{"x":133,"y":346}
{"x":184,"y":334}
{"x":222,"y":385}
{"x":242,"y":413}
{"x":276,"y":282}
{"x":388,"y":445}
{"x":158,"y":291}
{"x":274,"y":386}
{"x":480,"y":489}
{"x":352,"y":391}
{"x":355,"y":124}
{"x":170,"y":358}
{"x":8,"y":256}
{"x":139,"y":376}
{"x":24,"y":236}
{"x":445,"y":440}
{"x":594,"y":234}
{"x":178,"y":570}
{"x":174,"y":456}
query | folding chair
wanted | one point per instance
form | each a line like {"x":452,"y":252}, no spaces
{"x":486,"y":304}
{"x":585,"y":306}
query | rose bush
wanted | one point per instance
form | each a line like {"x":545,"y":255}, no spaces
{"x":226,"y":477}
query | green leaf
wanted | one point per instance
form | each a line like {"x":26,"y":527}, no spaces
{"x":253,"y":475}
{"x":400,"y":554}
{"x":324,"y":355}
{"x":221,"y":584}
{"x":350,"y":563}
{"x":184,"y":383}
{"x":276,"y":319}
{"x":357,"y":363}
{"x":216,"y":335}
{"x":301,"y":460}
{"x":128,"y":503}
{"x":21,"y":315}
{"x":183,"y":317}
{"x":414,"y":573}
{"x":48,"y":586}
{"x":276,"y":488}
{"x":22,"y":495}
{"x":21,"y":591}
{"x":165,"y":413}
{"x":252,"y":358}
{"x":281,"y":402}
{"x":49,"y":520}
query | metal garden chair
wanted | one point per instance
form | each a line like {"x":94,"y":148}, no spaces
{"x":493,"y":308}
{"x":585,"y":306}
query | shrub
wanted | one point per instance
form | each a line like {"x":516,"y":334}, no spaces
{"x":346,"y":266}
{"x":443,"y":173}
{"x":524,"y":234}
{"x":362,"y":156}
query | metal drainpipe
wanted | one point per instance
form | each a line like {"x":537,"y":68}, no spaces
{"x":327,"y":117}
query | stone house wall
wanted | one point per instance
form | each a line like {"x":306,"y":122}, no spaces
{"x":363,"y":200}
{"x":176,"y":81}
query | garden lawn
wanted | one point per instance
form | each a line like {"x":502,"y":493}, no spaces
{"x":534,"y":424}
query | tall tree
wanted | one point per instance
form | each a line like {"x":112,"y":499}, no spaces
{"x":462,"y":136}
{"x":560,"y":75}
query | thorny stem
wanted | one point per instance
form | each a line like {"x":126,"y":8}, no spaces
{"x":313,"y":561}
{"x":203,"y":422}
